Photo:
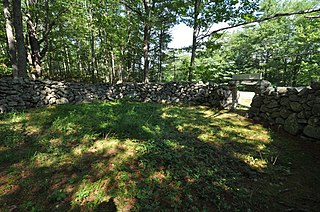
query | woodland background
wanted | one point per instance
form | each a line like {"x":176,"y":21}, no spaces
{"x":127,"y":40}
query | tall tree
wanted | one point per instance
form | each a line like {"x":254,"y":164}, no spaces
{"x":10,"y":37}
{"x":15,"y":38}
{"x":202,"y":14}
{"x":21,"y":51}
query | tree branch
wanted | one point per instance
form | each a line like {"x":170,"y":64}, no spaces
{"x":313,"y":16}
{"x":266,"y":19}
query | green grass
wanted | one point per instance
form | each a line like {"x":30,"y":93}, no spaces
{"x":143,"y":156}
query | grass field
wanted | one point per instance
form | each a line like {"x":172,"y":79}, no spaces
{"x":129,"y":156}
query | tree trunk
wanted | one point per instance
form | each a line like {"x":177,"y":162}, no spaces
{"x":93,"y":58}
{"x":37,"y":54}
{"x":113,"y":71}
{"x":146,"y":38}
{"x":146,"y":52}
{"x":10,"y":38}
{"x":161,"y":47}
{"x":194,"y":38}
{"x":18,"y":27}
{"x":35,"y":47}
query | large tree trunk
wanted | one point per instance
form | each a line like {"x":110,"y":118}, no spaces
{"x":35,"y":48}
{"x":146,"y":38}
{"x":21,"y":53}
{"x":194,"y":38}
{"x":10,"y":37}
{"x":37,"y":54}
{"x":146,"y":52}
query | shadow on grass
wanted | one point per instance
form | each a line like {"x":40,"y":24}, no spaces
{"x":139,"y":156}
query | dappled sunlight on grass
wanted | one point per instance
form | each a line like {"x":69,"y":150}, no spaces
{"x":137,"y":156}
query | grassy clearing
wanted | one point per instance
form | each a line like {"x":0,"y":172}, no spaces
{"x":142,"y":156}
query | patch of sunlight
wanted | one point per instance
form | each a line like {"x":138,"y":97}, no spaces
{"x":255,"y":163}
{"x":33,"y":130}
{"x":153,"y":130}
{"x":90,"y":192}
{"x":41,"y":159}
{"x":233,"y":118}
{"x":78,"y":150}
{"x":174,"y":145}
{"x":89,"y":137}
{"x":16,"y":117}
{"x":260,"y":147}
{"x":101,"y":145}
{"x":159,"y":176}
{"x":112,"y":103}
{"x":111,"y":148}
{"x":209,"y":113}
{"x":65,"y":125}
{"x":180,"y":128}
{"x":55,"y":141}
{"x":165,"y":115}
{"x":206,"y":137}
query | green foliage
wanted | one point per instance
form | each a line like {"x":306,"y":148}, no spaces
{"x":144,"y":156}
{"x":285,"y":50}
{"x":103,"y":41}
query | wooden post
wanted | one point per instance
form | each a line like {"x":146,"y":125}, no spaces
{"x":234,"y":90}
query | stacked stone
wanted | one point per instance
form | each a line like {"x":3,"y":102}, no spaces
{"x":18,"y":94}
{"x":297,"y":110}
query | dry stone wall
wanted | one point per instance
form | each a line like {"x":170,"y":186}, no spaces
{"x":17,"y":94}
{"x":296,"y":110}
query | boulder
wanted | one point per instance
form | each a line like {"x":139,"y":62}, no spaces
{"x":253,"y":111}
{"x":272,"y":104}
{"x":282,"y":90}
{"x":316,"y":110}
{"x":284,"y":113}
{"x":296,"y":106}
{"x":284,"y":101}
{"x":275,"y":114}
{"x":304,"y":91}
{"x":294,"y":98}
{"x":257,"y":101}
{"x":314,"y":121}
{"x":315,"y":85}
{"x":280,"y":121}
{"x":3,"y":109}
{"x":62,"y":101}
{"x":312,"y":131}
{"x":291,"y":125}
{"x":262,"y":87}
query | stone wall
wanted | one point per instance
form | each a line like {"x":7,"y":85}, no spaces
{"x":296,"y":110}
{"x":17,"y":94}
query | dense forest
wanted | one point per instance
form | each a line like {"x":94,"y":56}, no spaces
{"x":127,"y":40}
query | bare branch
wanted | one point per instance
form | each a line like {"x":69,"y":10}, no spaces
{"x":266,"y":19}
{"x":312,"y":16}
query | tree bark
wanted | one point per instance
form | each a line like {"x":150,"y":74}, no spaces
{"x":35,"y":47}
{"x":93,"y":58}
{"x":10,"y":38}
{"x":21,"y":53}
{"x":37,"y":54}
{"x":161,"y":47}
{"x":113,"y":71}
{"x":146,"y":38}
{"x":194,"y":38}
